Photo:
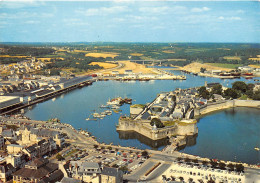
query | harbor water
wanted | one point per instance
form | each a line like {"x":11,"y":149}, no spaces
{"x":222,"y":135}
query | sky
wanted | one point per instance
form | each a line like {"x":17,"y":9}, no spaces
{"x":130,"y":21}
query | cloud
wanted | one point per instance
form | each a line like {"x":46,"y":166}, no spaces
{"x":136,"y":18}
{"x":198,"y":10}
{"x":20,"y":15}
{"x":31,"y":22}
{"x":103,"y":10}
{"x":158,"y":27}
{"x":229,"y":18}
{"x":119,"y":19}
{"x":20,"y":4}
{"x":240,"y":11}
{"x":154,"y":10}
{"x":74,"y":21}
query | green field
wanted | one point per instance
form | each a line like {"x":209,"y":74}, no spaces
{"x":229,"y":66}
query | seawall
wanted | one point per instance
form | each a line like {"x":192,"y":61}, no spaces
{"x":226,"y":104}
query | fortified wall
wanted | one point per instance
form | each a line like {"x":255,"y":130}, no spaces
{"x":226,"y":104}
{"x":185,"y":127}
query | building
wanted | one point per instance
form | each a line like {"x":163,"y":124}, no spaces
{"x":6,"y":171}
{"x":16,"y":160}
{"x":14,"y":148}
{"x":38,"y":171}
{"x":85,"y":171}
{"x":2,"y":141}
{"x":69,"y":180}
{"x":111,"y":175}
{"x":32,"y":135}
{"x":40,"y":148}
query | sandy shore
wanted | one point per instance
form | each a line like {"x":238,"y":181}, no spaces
{"x":195,"y":67}
{"x":136,"y":68}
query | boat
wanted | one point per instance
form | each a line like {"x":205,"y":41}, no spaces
{"x":128,"y":100}
{"x":248,"y":74}
{"x":108,"y":112}
{"x":104,"y":106}
{"x":249,"y":77}
{"x":116,"y":111}
{"x":257,"y":149}
{"x":115,"y":107}
{"x":115,"y":101}
{"x":89,"y":119}
{"x":96,"y":115}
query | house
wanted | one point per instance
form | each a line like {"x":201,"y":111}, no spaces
{"x":6,"y":171}
{"x":85,"y":171}
{"x":111,"y":175}
{"x":69,"y":180}
{"x":16,"y":160}
{"x":2,"y":141}
{"x":31,"y":151}
{"x":40,"y":170}
{"x":14,"y":148}
{"x":128,"y":72}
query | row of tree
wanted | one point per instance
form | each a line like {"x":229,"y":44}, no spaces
{"x":238,"y":89}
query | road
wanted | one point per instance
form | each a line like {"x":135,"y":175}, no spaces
{"x":252,"y":175}
{"x":78,"y":139}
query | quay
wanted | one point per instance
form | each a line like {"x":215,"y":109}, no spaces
{"x":40,"y":95}
{"x":129,"y":75}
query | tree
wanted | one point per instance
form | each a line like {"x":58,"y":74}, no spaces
{"x":240,"y":86}
{"x":217,"y":89}
{"x":190,"y":180}
{"x":123,"y":168}
{"x":115,"y":166}
{"x":239,"y":167}
{"x":95,"y":146}
{"x":204,"y":162}
{"x":157,"y":122}
{"x":213,"y":164}
{"x":222,"y":165}
{"x":173,"y":98}
{"x":202,"y":70}
{"x":231,"y":166}
{"x":181,"y":178}
{"x":179,"y":159}
{"x":230,"y":92}
{"x":59,"y":157}
{"x":187,"y":160}
{"x":173,"y":178}
{"x":144,"y":153}
{"x":256,"y":95}
{"x":195,"y":161}
{"x":203,"y":92}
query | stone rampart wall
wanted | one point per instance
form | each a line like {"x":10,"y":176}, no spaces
{"x":226,"y":104}
{"x":144,"y":128}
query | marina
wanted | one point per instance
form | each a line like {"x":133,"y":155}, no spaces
{"x":91,"y":98}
